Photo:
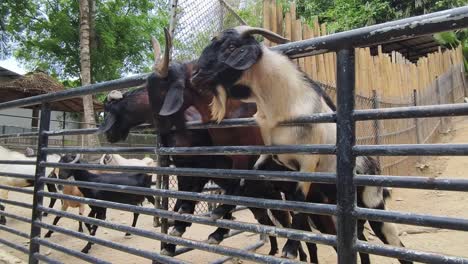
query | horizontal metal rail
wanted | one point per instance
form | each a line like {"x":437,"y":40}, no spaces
{"x":46,"y":259}
{"x":322,"y":177}
{"x":15,"y":189}
{"x":22,"y":134}
{"x":107,"y":243}
{"x":305,"y":207}
{"x":16,"y":217}
{"x":183,"y":250}
{"x":412,"y":182}
{"x":412,"y":150}
{"x":16,"y":203}
{"x":408,"y":254}
{"x":14,"y":246}
{"x":225,"y":150}
{"x":18,"y":162}
{"x":223,"y":223}
{"x":77,"y":92}
{"x":412,"y":219}
{"x":14,"y":231}
{"x":422,"y":111}
{"x":68,"y":251}
{"x":372,"y":35}
{"x":17,"y":175}
{"x":177,"y":240}
{"x":248,"y":248}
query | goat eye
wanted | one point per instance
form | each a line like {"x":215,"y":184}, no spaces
{"x":231,"y":47}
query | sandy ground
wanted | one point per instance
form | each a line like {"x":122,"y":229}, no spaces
{"x":442,"y":203}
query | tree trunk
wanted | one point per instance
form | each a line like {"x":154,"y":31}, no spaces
{"x":85,"y":62}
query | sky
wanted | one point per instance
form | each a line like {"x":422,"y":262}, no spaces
{"x":12,"y":65}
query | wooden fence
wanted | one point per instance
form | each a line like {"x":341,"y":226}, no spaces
{"x":383,"y":80}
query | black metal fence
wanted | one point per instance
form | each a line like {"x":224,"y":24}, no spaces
{"x":346,"y":151}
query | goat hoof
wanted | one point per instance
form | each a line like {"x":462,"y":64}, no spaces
{"x":2,"y":220}
{"x":289,"y":255}
{"x":85,"y":250}
{"x":128,"y":236}
{"x":213,"y":241}
{"x":273,"y":251}
{"x":215,"y":216}
{"x":166,"y":252}
{"x":175,"y":232}
{"x":49,"y":234}
{"x":45,"y":214}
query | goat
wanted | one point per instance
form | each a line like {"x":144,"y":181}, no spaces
{"x":6,"y":154}
{"x":126,"y":107}
{"x":236,"y":65}
{"x":120,"y":108}
{"x":127,"y":179}
{"x":67,"y":189}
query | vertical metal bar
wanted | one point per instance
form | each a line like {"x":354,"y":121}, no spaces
{"x":346,"y":139}
{"x":44,"y":125}
{"x":377,"y":123}
{"x":63,"y":127}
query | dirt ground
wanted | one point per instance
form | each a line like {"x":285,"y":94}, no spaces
{"x":441,"y":203}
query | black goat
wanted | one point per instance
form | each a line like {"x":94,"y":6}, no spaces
{"x":127,"y":179}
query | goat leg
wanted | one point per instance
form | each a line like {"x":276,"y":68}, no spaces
{"x":56,"y":219}
{"x":99,"y":215}
{"x":135,"y":219}
{"x":2,"y":217}
{"x":51,"y":188}
{"x":220,"y":233}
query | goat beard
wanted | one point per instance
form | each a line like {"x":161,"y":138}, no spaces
{"x":218,"y":104}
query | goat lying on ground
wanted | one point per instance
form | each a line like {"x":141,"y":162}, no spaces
{"x":6,"y":154}
{"x":236,"y":65}
{"x":128,"y":179}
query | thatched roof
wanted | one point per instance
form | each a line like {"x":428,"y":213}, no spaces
{"x":38,"y":83}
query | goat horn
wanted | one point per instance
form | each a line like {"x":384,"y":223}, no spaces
{"x":114,"y":95}
{"x":156,"y":50}
{"x":77,"y":158}
{"x":162,"y":67}
{"x":272,"y":36}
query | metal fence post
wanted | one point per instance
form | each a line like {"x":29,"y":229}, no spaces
{"x":345,"y":140}
{"x":43,"y":138}
{"x":443,"y":126}
{"x":377,"y":123}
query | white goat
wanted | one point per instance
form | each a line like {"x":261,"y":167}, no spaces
{"x":6,"y":154}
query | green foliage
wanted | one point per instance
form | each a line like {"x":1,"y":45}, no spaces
{"x":47,"y":33}
{"x":451,"y":39}
{"x":343,"y":15}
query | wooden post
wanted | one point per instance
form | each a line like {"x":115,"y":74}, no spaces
{"x":443,"y":126}
{"x":377,"y":123}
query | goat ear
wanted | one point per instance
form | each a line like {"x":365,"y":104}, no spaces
{"x":174,"y":99}
{"x":242,"y":57}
